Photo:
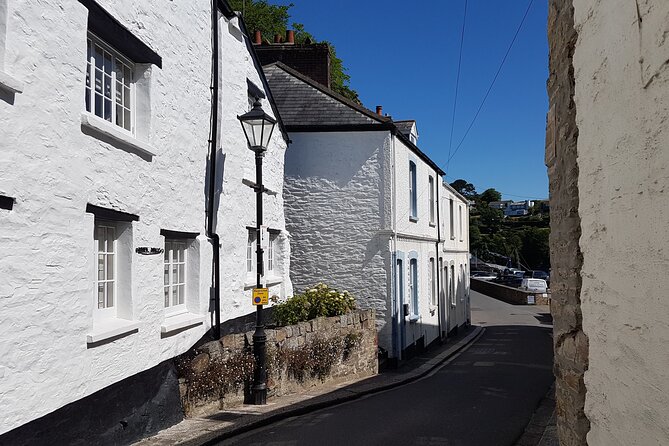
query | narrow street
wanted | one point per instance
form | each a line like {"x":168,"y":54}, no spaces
{"x":484,"y":396}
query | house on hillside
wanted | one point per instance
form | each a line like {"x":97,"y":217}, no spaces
{"x":105,"y":195}
{"x":368,"y":212}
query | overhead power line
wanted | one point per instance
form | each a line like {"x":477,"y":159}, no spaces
{"x":471,"y":124}
{"x":457,"y":80}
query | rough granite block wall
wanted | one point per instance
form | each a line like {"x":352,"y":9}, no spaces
{"x":570,"y":342}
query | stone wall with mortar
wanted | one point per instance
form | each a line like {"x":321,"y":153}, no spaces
{"x":349,"y":341}
{"x":569,"y":340}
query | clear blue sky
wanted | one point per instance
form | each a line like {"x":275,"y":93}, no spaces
{"x":404,"y":56}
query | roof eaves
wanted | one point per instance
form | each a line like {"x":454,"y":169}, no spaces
{"x":417,"y":151}
{"x":325,"y":90}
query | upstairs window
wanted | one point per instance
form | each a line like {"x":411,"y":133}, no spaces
{"x":431,"y":198}
{"x":271,"y":251}
{"x":461,"y":231}
{"x":412,"y":192}
{"x":451,"y":218}
{"x":109,"y":84}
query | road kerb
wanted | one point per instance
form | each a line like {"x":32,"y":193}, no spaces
{"x":332,"y":399}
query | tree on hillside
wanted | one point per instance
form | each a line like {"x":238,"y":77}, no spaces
{"x":490,"y":195}
{"x":465,"y":189}
{"x":273,"y":19}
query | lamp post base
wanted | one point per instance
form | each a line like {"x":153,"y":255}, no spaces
{"x":259,"y":388}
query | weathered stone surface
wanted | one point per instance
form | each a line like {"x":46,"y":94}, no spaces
{"x":199,"y":363}
{"x":566,"y":257}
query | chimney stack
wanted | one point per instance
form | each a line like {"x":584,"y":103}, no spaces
{"x":290,"y":36}
{"x":257,"y":37}
{"x":379,"y":110}
{"x":277,"y":38}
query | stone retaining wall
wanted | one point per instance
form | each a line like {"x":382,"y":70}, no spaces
{"x":326,"y":349}
{"x":506,"y":293}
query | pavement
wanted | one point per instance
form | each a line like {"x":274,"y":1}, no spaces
{"x":438,"y":398}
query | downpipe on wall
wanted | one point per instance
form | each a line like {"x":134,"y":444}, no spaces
{"x":213,"y":149}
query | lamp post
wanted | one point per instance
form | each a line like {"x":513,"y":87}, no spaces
{"x":258,"y":127}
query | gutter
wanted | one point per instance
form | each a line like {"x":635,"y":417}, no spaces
{"x":211,"y":191}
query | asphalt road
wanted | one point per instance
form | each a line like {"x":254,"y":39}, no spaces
{"x":484,"y":396}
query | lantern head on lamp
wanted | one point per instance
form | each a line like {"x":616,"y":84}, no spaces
{"x":258,"y":127}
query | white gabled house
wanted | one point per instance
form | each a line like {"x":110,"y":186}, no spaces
{"x":368,"y":211}
{"x":105,"y":193}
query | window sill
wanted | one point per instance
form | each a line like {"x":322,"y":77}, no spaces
{"x":10,"y":84}
{"x":414,"y":318}
{"x":181,"y":321}
{"x":413,"y":219}
{"x":111,"y":328}
{"x":105,"y":129}
{"x":433,"y":225}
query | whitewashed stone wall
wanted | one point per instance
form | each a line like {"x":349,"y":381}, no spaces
{"x":333,"y":193}
{"x":237,"y":208}
{"x":53,"y":169}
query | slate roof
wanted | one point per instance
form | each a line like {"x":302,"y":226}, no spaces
{"x":404,"y":126}
{"x":305,"y":105}
{"x":304,"y":102}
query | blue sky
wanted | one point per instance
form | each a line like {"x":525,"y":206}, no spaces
{"x":404,"y":55}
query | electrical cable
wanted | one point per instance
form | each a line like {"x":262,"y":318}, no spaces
{"x":471,"y":124}
{"x":457,"y":80}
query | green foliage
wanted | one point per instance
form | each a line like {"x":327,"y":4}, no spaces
{"x":260,"y":15}
{"x":273,"y":19}
{"x":490,"y":195}
{"x":465,"y":189}
{"x":320,"y":300}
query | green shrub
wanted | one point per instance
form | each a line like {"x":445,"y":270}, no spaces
{"x":320,"y":300}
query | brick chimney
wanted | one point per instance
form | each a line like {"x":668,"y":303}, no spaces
{"x":310,"y":59}
{"x":257,"y":38}
{"x":379,"y":110}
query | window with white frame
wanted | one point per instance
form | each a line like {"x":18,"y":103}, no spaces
{"x":451,"y":218}
{"x":109,"y":84}
{"x":251,"y":251}
{"x":175,"y":275}
{"x":413,"y":199}
{"x":461,"y":232}
{"x":432,"y":285}
{"x":452,"y":286}
{"x":271,"y":252}
{"x":106,"y":253}
{"x":413,"y":286}
{"x":431,"y":197}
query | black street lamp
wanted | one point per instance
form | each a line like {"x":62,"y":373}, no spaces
{"x":258,"y":127}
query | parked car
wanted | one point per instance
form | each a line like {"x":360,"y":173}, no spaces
{"x":535,"y":285}
{"x":483,"y":275}
{"x":536,"y":274}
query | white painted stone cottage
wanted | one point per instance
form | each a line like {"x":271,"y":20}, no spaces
{"x":368,"y":212}
{"x":105,"y":112}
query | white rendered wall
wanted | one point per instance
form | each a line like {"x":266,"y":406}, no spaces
{"x":621,"y":96}
{"x":237,"y":208}
{"x":333,"y":193}
{"x":53,"y":169}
